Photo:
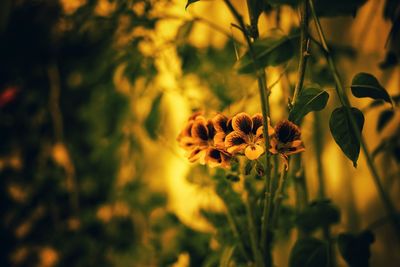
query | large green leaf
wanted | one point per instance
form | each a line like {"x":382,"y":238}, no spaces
{"x":366,"y":85}
{"x":343,"y":133}
{"x":311,"y":98}
{"x":270,"y":51}
{"x":355,"y":249}
{"x":152,"y":122}
{"x":309,"y":252}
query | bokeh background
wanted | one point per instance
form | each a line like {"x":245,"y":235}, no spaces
{"x":93,"y":94}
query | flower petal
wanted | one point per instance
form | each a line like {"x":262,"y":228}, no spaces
{"x":242,"y":123}
{"x":257,"y":122}
{"x":219,"y":140}
{"x":213,"y":157}
{"x":199,"y":128}
{"x":295,"y":147}
{"x":253,"y":152}
{"x":287,"y":131}
{"x":188,"y":143}
{"x":235,"y":142}
{"x":220,"y":122}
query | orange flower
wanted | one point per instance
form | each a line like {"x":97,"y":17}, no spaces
{"x":198,"y":139}
{"x":285,"y":140}
{"x":247,"y":136}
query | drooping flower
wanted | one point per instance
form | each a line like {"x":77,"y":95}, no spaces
{"x":286,"y":140}
{"x":247,"y":136}
{"x":198,"y":139}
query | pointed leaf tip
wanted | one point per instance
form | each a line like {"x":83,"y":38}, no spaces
{"x":342,"y":132}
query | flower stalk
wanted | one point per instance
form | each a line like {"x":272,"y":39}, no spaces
{"x":262,"y":86}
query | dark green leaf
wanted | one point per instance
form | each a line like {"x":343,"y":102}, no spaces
{"x":317,"y":214}
{"x":384,"y":118}
{"x":355,"y":249}
{"x":309,"y":252}
{"x":311,"y":98}
{"x":343,"y":133}
{"x":152,"y":122}
{"x":189,"y":2}
{"x":331,"y":8}
{"x":366,"y":85}
{"x":270,"y":51}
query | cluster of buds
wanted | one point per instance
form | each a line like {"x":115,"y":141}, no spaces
{"x":217,"y":140}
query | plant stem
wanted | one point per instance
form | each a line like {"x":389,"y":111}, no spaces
{"x":262,"y":86}
{"x":258,"y":258}
{"x":279,"y":195}
{"x":390,"y":209}
{"x":304,"y":49}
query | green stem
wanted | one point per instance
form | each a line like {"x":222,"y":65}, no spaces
{"x":390,"y":209}
{"x":279,"y":195}
{"x":304,"y":49}
{"x":262,"y":86}
{"x":259,"y":261}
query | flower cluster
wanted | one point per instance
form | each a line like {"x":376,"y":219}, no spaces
{"x":216,"y":141}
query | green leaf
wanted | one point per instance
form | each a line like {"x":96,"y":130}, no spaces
{"x":331,"y":8}
{"x":343,"y":133}
{"x":384,"y":118}
{"x":270,"y":51}
{"x":355,"y":249}
{"x":317,"y":214}
{"x":366,"y":85}
{"x":311,"y":98}
{"x":309,"y":252}
{"x":152,"y":122}
{"x":189,"y":2}
{"x":226,"y":256}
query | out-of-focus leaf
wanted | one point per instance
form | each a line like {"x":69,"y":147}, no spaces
{"x":226,"y":256}
{"x":329,"y":8}
{"x":309,"y":252}
{"x":366,"y":85}
{"x":152,"y":122}
{"x":269,"y":51}
{"x":343,"y":133}
{"x":355,"y":249}
{"x":318,"y":214}
{"x":384,"y":118}
{"x":189,"y":2}
{"x":184,"y":31}
{"x":311,"y":98}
